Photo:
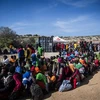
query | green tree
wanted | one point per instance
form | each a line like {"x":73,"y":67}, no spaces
{"x":32,"y":41}
{"x":29,"y":35}
{"x":35,"y":35}
{"x":7,"y":36}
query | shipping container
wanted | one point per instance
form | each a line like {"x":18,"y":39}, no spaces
{"x":46,"y":43}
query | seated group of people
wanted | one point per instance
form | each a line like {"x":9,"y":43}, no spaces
{"x":38,"y":75}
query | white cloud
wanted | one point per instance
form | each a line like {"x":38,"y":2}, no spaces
{"x":22,"y":25}
{"x":78,"y":3}
{"x":49,"y":6}
{"x":67,"y":23}
{"x":79,"y":24}
{"x":19,"y":24}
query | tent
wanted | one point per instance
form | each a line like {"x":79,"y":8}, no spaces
{"x":59,"y":40}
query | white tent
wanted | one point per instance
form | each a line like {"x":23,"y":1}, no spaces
{"x":58,"y":39}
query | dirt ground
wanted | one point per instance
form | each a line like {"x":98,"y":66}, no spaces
{"x":89,"y":90}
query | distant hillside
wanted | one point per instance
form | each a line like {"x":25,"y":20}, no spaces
{"x":94,"y":38}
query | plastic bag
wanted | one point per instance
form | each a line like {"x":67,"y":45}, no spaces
{"x":82,"y":70}
{"x":65,"y":86}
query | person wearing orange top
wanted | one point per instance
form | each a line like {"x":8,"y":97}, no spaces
{"x":85,"y":65}
{"x":82,"y":61}
{"x":12,"y":60}
{"x":71,"y":66}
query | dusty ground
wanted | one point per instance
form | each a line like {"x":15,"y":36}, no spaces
{"x":89,"y":90}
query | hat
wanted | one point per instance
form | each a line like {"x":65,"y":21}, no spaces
{"x":32,"y":68}
{"x":18,"y":69}
{"x":34,"y":63}
{"x":26,"y":74}
{"x":69,"y":58}
{"x":37,"y":70}
{"x":59,"y":60}
{"x":53,"y":78}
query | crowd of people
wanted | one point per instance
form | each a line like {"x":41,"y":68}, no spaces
{"x":32,"y":74}
{"x":82,"y":45}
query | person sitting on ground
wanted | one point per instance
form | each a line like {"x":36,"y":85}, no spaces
{"x":98,"y":55}
{"x":36,"y":92}
{"x":15,"y":58}
{"x":71,"y":65}
{"x":96,"y":62}
{"x":9,"y":85}
{"x":91,"y":66}
{"x":59,"y":74}
{"x":4,"y":71}
{"x":51,"y":77}
{"x":18,"y":84}
{"x":27,"y":65}
{"x":80,"y":67}
{"x":27,"y":80}
{"x":5,"y":60}
{"x":33,"y":58}
{"x":40,"y":79}
{"x":12,"y":60}
{"x":74,"y":77}
{"x":83,"y":62}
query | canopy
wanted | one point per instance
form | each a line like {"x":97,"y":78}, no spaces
{"x":58,"y":39}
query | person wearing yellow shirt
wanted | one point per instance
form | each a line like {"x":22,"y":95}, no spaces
{"x":75,"y":45}
{"x":28,"y":52}
{"x":67,"y":46}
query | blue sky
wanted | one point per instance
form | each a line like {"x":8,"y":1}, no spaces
{"x":51,"y":17}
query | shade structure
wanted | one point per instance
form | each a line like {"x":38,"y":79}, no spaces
{"x":59,"y":40}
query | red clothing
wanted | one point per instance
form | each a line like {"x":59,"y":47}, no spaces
{"x":33,"y":50}
{"x":96,"y":61}
{"x":68,"y":54}
{"x":41,"y":84}
{"x":18,"y":80}
{"x":68,"y":73}
{"x":62,"y":46}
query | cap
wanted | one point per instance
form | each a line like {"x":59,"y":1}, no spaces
{"x":32,"y":69}
{"x":37,"y":70}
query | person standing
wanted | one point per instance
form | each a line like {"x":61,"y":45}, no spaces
{"x":21,"y":55}
{"x":40,"y":50}
{"x":28,"y":52}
